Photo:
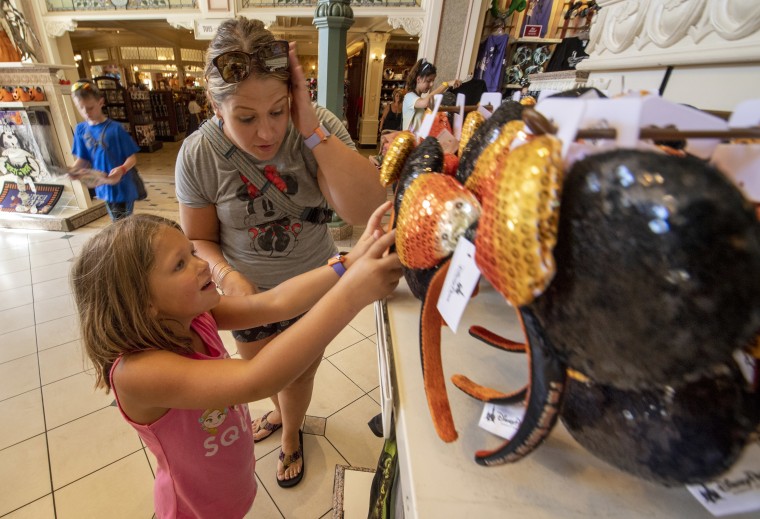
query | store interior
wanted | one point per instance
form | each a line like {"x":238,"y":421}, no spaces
{"x":550,"y":424}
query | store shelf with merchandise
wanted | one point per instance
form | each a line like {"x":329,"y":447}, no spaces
{"x":169,"y":115}
{"x":37,"y":139}
{"x":437,"y":479}
{"x":132,"y":109}
{"x":526,"y":56}
{"x":143,"y":126}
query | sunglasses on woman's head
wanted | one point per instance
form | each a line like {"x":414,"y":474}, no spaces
{"x":234,"y":66}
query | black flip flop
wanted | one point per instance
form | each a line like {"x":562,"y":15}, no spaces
{"x":288,"y":483}
{"x":268,"y":426}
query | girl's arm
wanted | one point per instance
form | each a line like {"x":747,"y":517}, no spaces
{"x":151,"y":382}
{"x":342,"y":171}
{"x":440,"y":89}
{"x":295,"y":296}
{"x":201,"y":226}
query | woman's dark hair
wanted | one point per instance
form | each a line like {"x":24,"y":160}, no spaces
{"x":422,"y":68}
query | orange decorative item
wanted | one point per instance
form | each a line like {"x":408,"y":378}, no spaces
{"x":450,"y":164}
{"x":22,"y":94}
{"x":39,"y":93}
{"x":6,"y":94}
{"x":397,"y":154}
{"x":471,"y":123}
{"x":492,"y":160}
{"x":8,"y":51}
{"x":440,"y":123}
{"x":518,"y":228}
{"x":435,"y":213}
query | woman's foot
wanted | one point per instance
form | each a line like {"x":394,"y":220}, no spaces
{"x":290,"y":467}
{"x":263,"y":427}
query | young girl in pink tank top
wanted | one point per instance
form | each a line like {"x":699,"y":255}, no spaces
{"x":150,"y":317}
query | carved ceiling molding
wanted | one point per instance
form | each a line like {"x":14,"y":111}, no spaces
{"x":267,"y":20}
{"x":657,"y":32}
{"x":181,"y":23}
{"x":412,"y":25}
{"x":57,"y":28}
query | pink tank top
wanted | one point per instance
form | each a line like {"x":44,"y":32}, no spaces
{"x":205,"y":456}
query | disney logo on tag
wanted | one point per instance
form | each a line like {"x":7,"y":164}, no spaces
{"x":503,"y":418}
{"x":749,"y":481}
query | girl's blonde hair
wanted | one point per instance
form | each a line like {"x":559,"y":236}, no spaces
{"x":237,"y":34}
{"x":422,"y":68}
{"x":112,"y":293}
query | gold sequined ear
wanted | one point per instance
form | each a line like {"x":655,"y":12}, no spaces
{"x":517,"y":230}
{"x":471,"y":123}
{"x":394,"y":159}
{"x":492,"y":160}
{"x":435,"y":213}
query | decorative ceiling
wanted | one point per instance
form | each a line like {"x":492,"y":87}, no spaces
{"x":119,"y":33}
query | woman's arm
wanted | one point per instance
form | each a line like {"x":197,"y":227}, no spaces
{"x":298,"y":294}
{"x":382,"y":118}
{"x":343,"y":173}
{"x":201,"y":226}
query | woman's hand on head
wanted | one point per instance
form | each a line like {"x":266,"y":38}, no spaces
{"x":302,"y":112}
{"x":372,"y":232}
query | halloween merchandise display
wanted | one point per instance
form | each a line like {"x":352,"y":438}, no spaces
{"x":635,"y":274}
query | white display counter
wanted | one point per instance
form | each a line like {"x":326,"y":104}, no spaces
{"x":559,"y":479}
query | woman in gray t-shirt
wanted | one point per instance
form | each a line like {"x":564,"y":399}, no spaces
{"x":257,"y":90}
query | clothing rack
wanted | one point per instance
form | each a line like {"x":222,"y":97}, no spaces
{"x":540,"y":125}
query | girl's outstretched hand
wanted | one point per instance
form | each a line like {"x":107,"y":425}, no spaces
{"x":371,"y":233}
{"x":376,"y":273}
{"x":301,"y":110}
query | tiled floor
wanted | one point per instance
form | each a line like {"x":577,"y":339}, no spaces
{"x":69,"y":454}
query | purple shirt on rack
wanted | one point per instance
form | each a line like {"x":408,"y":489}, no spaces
{"x":490,"y":61}
{"x":538,"y":13}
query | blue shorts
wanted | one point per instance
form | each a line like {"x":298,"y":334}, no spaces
{"x":262,"y":332}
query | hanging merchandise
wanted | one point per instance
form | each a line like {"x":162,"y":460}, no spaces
{"x":490,"y":61}
{"x":536,"y":21}
{"x":567,"y":55}
{"x":632,"y":321}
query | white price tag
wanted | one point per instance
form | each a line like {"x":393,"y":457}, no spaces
{"x":459,"y":284}
{"x":502,"y":420}
{"x":746,"y":363}
{"x":737,"y":491}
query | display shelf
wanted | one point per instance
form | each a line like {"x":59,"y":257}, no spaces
{"x":141,"y":117}
{"x":526,"y":56}
{"x":23,"y":104}
{"x":437,"y":479}
{"x":169,"y":115}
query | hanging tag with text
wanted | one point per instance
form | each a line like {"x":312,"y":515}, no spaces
{"x":737,"y":491}
{"x":460,"y":282}
{"x":502,"y":420}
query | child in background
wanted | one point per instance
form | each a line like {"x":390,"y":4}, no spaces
{"x":150,"y":317}
{"x":104,"y":145}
